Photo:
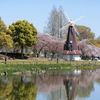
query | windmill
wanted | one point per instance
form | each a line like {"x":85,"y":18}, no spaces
{"x":71,"y":50}
{"x":70,"y":23}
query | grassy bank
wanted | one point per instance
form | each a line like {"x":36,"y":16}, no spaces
{"x":31,"y":67}
{"x":37,"y":65}
{"x":49,"y":66}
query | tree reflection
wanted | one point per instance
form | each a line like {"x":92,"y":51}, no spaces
{"x":59,"y":86}
{"x":23,"y":91}
{"x":5,"y":89}
{"x":59,"y":94}
{"x":98,"y":81}
{"x":10,"y":90}
{"x":84,"y":91}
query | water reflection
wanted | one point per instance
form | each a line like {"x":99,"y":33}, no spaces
{"x":17,"y":89}
{"x":67,"y":85}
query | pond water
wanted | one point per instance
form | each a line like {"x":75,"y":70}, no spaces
{"x":67,"y":85}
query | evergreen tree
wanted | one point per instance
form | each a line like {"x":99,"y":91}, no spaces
{"x":5,"y":39}
{"x":55,"y":21}
{"x":23,"y":34}
{"x":2,"y":26}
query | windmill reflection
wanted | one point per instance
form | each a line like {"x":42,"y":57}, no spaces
{"x":71,"y":81}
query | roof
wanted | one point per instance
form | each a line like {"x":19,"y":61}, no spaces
{"x":74,"y":52}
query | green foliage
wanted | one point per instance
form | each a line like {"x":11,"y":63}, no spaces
{"x":23,"y":91}
{"x":95,"y":42}
{"x":85,"y":32}
{"x":2,"y":26}
{"x":28,"y":54}
{"x":18,"y":91}
{"x":23,"y":34}
{"x":5,"y":89}
{"x":5,"y":40}
{"x":32,"y":66}
{"x":8,"y":31}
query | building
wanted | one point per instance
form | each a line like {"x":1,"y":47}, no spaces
{"x":71,"y":50}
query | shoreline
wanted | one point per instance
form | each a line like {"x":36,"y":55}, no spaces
{"x":20,"y":69}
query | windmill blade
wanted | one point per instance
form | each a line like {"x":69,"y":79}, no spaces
{"x":64,"y":27}
{"x":66,"y":16}
{"x":78,"y":18}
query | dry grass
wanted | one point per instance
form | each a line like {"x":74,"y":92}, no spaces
{"x":47,"y":61}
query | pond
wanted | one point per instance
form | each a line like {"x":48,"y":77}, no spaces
{"x":67,"y":85}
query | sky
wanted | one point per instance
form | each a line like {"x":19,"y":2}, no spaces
{"x":38,"y":11}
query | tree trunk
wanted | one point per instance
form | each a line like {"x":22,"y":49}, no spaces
{"x":22,"y":52}
{"x":53,"y":55}
{"x":6,"y":55}
{"x":45,"y":53}
{"x":37,"y":54}
{"x":93,"y":57}
{"x":6,"y":52}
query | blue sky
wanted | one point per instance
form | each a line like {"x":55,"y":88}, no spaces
{"x":37,"y":12}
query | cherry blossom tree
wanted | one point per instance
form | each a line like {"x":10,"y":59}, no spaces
{"x":53,"y":45}
{"x":48,"y":44}
{"x":88,"y":51}
{"x":45,"y":50}
{"x":56,"y":45}
{"x":43,"y":39}
{"x":82,"y":44}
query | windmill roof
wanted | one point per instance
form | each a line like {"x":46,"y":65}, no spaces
{"x":74,"y":52}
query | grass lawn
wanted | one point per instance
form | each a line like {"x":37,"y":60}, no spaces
{"x":43,"y":63}
{"x":46,"y":61}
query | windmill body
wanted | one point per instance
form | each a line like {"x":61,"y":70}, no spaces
{"x":71,"y":50}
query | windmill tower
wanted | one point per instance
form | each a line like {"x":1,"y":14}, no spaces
{"x":71,"y":50}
